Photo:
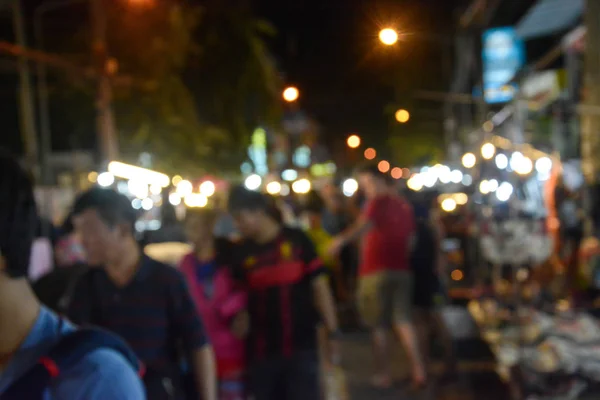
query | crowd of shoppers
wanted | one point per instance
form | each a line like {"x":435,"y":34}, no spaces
{"x":246,"y":312}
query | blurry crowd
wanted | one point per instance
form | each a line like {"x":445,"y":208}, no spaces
{"x":230,"y":302}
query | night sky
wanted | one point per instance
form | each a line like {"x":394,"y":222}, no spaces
{"x":349,"y":82}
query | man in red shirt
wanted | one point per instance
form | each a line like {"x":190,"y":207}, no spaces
{"x":385,"y":288}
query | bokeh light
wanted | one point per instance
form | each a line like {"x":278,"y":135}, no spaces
{"x":396,"y":173}
{"x":402,"y":116}
{"x":370,"y":153}
{"x":383,"y":166}
{"x":353,"y":141}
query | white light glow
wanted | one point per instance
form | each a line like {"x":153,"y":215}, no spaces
{"x":253,"y":182}
{"x":415,"y":182}
{"x":444,"y":173}
{"x":501,"y":161}
{"x":492,"y":185}
{"x":138,"y":188}
{"x":289,"y":175}
{"x":132,"y":172}
{"x":155,"y":189}
{"x":301,"y":186}
{"x":487,"y":151}
{"x":467,"y":180}
{"x":195,"y":200}
{"x":504,"y":191}
{"x":349,"y":187}
{"x":184,"y":188}
{"x":105,"y":179}
{"x":456,"y":176}
{"x":174,"y":199}
{"x":136,"y":204}
{"x":449,"y":205}
{"x":484,"y":187}
{"x":207,"y":188}
{"x":469,"y":160}
{"x":147,"y":204}
{"x":543,"y":165}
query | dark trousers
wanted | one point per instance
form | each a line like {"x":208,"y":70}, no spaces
{"x":286,"y":378}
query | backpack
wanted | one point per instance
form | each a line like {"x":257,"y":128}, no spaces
{"x":69,"y":350}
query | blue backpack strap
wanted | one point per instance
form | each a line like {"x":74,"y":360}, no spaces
{"x":69,"y":350}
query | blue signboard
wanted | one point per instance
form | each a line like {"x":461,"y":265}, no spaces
{"x":503,"y":56}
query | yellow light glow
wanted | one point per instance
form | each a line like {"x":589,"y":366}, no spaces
{"x":402,"y":116}
{"x":274,"y":188}
{"x":525,"y":166}
{"x":301,"y":186}
{"x":93,"y":177}
{"x":291,"y":94}
{"x":353,"y":141}
{"x":132,"y":172}
{"x":184,"y":188}
{"x":461,"y":199}
{"x":176,"y":179}
{"x":469,"y":160}
{"x":484,"y":187}
{"x":449,"y":205}
{"x":155,"y":189}
{"x":415,"y":182}
{"x":207,"y":188}
{"x":195,"y":200}
{"x":388,"y":36}
{"x":487,"y":151}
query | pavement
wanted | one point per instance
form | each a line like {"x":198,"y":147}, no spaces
{"x":475,"y":378}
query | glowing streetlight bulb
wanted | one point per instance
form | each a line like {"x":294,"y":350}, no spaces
{"x":353,"y":141}
{"x":449,"y":205}
{"x":388,"y":36}
{"x":402,"y":116}
{"x":291,"y":94}
{"x":487,"y":151}
{"x":469,"y":160}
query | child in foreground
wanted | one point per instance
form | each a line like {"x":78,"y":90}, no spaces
{"x":216,"y":299}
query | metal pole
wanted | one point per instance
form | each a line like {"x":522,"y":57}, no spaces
{"x":27,"y":116}
{"x":104,"y":114}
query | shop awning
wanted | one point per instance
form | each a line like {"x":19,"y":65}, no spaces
{"x":548,"y":17}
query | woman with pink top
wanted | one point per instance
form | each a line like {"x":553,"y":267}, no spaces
{"x":217,"y":301}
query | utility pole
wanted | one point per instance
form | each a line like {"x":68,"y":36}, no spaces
{"x":590,"y":123}
{"x":105,"y":123}
{"x":27,"y":118}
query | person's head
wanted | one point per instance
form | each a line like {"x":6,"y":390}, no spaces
{"x":18,"y":221}
{"x":250,"y":210}
{"x":311,"y":216}
{"x":105,"y":221}
{"x":371,"y":181}
{"x":200,"y":225}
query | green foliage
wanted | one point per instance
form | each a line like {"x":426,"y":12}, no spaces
{"x":201,"y":81}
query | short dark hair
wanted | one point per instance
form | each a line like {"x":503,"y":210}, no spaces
{"x":241,"y":198}
{"x":18,"y":216}
{"x":206,"y":214}
{"x":112,"y":207}
{"x":373,"y":170}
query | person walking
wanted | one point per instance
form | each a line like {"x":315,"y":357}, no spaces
{"x":385,"y":286}
{"x":216,"y":298}
{"x":30,"y":333}
{"x":145,"y":302}
{"x":288,"y":295}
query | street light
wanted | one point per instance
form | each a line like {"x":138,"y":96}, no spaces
{"x":291,"y":94}
{"x":353,"y":141}
{"x":402,"y":116}
{"x":388,"y":36}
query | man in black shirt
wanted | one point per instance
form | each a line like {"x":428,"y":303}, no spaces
{"x":287,"y":290}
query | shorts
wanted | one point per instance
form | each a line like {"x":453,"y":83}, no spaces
{"x":385,"y":298}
